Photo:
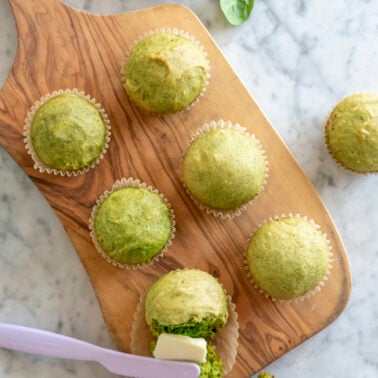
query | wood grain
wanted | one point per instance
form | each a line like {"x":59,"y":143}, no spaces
{"x":59,"y":47}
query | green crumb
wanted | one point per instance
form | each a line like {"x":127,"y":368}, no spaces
{"x":265,"y":374}
{"x":352,"y":132}
{"x":152,"y":346}
{"x":213,"y":367}
{"x":224,"y":169}
{"x":165,"y":73}
{"x":68,"y":133}
{"x":188,"y":302}
{"x":132,"y":225}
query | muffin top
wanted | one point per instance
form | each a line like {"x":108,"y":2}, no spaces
{"x":165,"y":73}
{"x":287,"y":257}
{"x":68,"y":133}
{"x":132,"y":225}
{"x":352,"y":132}
{"x":224,"y":168}
{"x":186,"y":296}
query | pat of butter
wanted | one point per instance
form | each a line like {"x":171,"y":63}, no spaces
{"x":181,"y":348}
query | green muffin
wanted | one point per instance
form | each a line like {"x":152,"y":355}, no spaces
{"x":186,"y":302}
{"x":224,"y":169}
{"x":68,"y":133}
{"x":132,"y":225}
{"x":352,"y":133}
{"x":287,"y":257}
{"x":165,"y":73}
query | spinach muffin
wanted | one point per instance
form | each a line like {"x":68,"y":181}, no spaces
{"x":67,"y":133}
{"x":131,"y":226}
{"x":186,"y":302}
{"x":189,"y":302}
{"x":165,"y":72}
{"x":288,"y":257}
{"x":224,"y":168}
{"x":352,"y":133}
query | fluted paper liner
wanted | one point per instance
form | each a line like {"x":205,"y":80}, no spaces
{"x":225,"y":213}
{"x":339,"y":163}
{"x":180,"y":33}
{"x":130,"y":183}
{"x":225,"y":342}
{"x":38,"y":164}
{"x":311,"y":292}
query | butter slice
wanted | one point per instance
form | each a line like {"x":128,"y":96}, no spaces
{"x":181,"y":348}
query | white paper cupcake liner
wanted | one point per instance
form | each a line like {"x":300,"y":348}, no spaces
{"x":38,"y":164}
{"x":130,"y":183}
{"x":225,"y":213}
{"x":311,"y":292}
{"x":180,"y":33}
{"x":225,"y":342}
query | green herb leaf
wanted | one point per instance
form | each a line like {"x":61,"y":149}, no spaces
{"x":237,"y":11}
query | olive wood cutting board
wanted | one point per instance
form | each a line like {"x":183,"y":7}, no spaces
{"x":60,"y":47}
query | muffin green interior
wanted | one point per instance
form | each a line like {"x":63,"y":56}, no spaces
{"x":224,"y":168}
{"x":287,"y":257}
{"x":352,"y":132}
{"x":68,"y":133}
{"x":206,"y":328}
{"x":213,"y":367}
{"x":165,"y":73}
{"x":188,"y":302}
{"x":132,"y":225}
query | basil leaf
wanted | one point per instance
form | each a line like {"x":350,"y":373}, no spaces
{"x":236,"y":11}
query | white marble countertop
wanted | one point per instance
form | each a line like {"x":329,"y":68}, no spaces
{"x":297,"y":58}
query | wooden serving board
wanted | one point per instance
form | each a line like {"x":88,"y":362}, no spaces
{"x":60,"y":47}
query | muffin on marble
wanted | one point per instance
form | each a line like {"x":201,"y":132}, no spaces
{"x":66,"y":133}
{"x":288,"y":258}
{"x":132,"y":225}
{"x":189,"y":302}
{"x":352,"y":133}
{"x":165,"y":72}
{"x":224,"y":168}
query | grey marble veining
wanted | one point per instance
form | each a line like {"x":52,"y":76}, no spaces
{"x":298,"y":59}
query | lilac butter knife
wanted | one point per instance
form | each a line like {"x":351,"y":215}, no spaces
{"x":36,"y":341}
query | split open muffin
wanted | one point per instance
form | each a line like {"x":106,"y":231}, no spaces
{"x":192,"y":303}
